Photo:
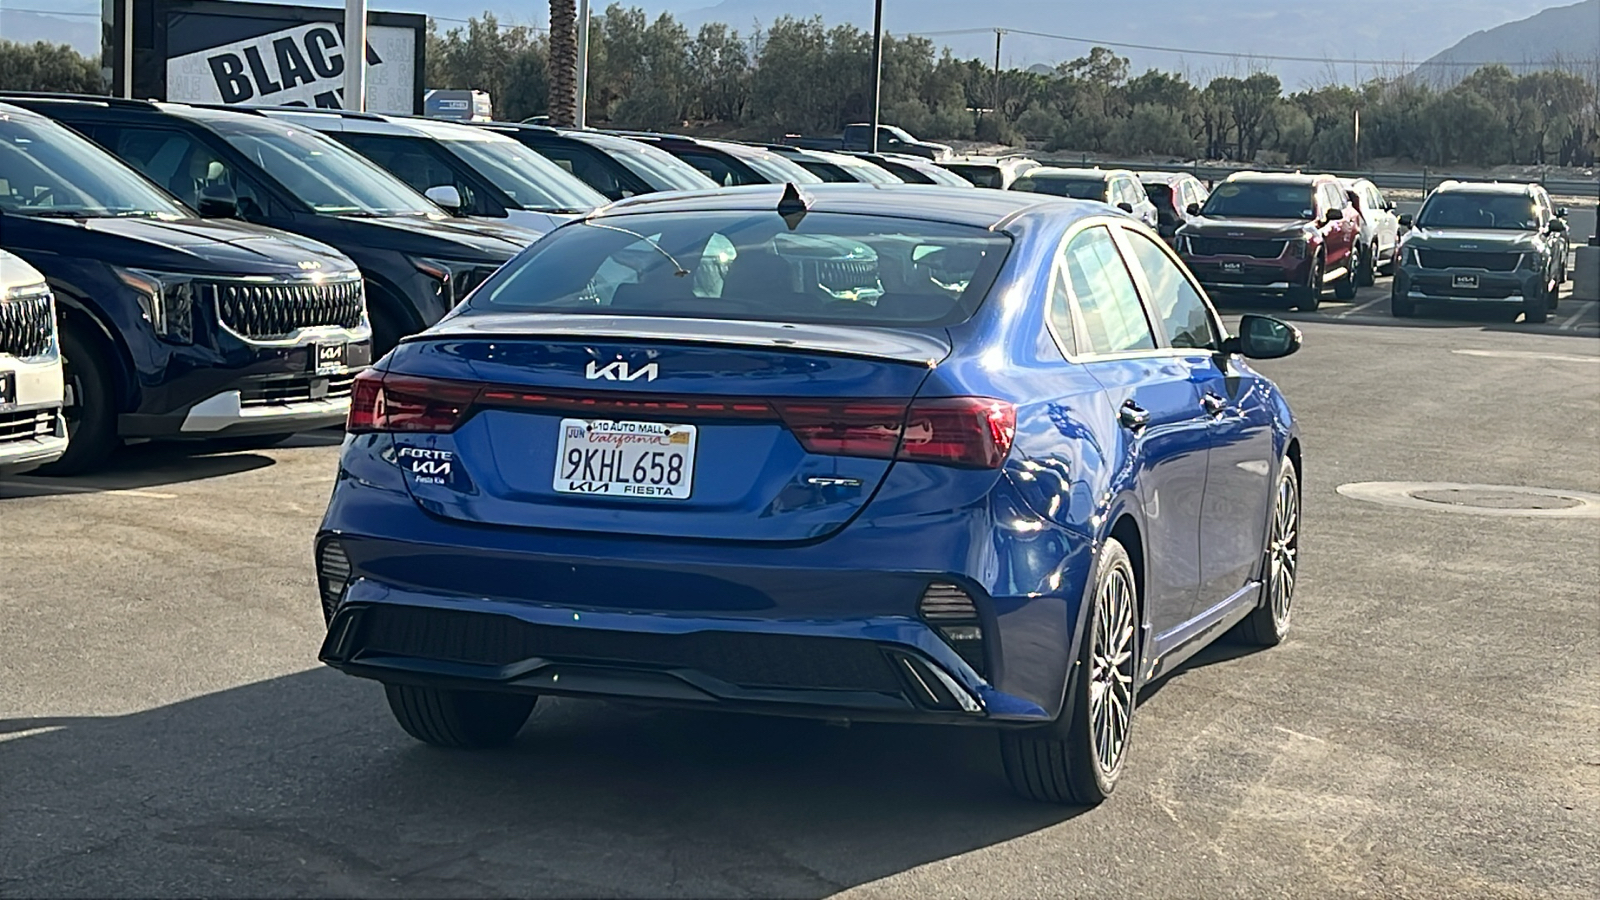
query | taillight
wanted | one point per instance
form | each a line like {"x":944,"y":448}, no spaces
{"x":386,"y":402}
{"x":970,"y":432}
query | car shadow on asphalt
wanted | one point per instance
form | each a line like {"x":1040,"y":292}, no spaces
{"x":1224,"y":649}
{"x":1573,"y":318}
{"x":302,"y":785}
{"x":160,"y":463}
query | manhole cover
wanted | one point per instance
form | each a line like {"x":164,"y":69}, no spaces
{"x":1496,"y":499}
{"x":1478,"y":499}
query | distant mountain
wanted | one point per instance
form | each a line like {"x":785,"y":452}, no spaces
{"x":1562,"y":34}
{"x":27,"y":27}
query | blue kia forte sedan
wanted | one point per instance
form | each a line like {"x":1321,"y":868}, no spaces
{"x":902,"y":453}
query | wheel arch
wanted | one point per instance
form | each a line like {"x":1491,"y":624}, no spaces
{"x":85,"y":320}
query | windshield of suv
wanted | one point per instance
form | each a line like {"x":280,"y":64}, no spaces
{"x":830,"y":268}
{"x":1260,"y":200}
{"x":1077,"y":188}
{"x":1473,"y":209}
{"x":47,"y":170}
{"x":660,"y":169}
{"x":778,"y":170}
{"x":322,"y":174}
{"x":984,"y":176}
{"x":530,"y":180}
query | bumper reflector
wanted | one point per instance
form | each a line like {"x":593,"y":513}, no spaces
{"x":951,"y":611}
{"x":333,"y":576}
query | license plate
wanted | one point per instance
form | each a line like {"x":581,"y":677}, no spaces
{"x":608,"y":458}
{"x":1464,"y":281}
{"x":8,"y":389}
{"x":1233,"y":267}
{"x":330,"y":359}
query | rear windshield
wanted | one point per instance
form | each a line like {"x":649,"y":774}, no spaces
{"x":1077,"y":188}
{"x":530,"y":180}
{"x":831,"y":268}
{"x":1261,"y":200}
{"x":1469,"y":209}
{"x":980,"y":176}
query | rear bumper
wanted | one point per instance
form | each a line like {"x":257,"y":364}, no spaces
{"x":826,"y":629}
{"x":879,"y":668}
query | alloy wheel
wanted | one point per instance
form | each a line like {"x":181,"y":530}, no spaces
{"x":1111,"y":669}
{"x":1284,"y":555}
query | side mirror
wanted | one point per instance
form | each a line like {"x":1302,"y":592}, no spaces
{"x":1125,"y":206}
{"x":1389,"y":206}
{"x":218,"y":201}
{"x":1192,"y":209}
{"x":445,"y":195}
{"x":1557,"y":226}
{"x":1335,"y":214}
{"x":1263,"y":337}
{"x":1406,"y":219}
{"x":1561,"y":211}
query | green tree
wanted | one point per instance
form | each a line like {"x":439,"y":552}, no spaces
{"x":48,"y":67}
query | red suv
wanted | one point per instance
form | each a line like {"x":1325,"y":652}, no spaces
{"x":1281,"y":234}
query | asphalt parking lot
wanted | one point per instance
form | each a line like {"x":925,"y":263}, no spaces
{"x":1429,"y":728}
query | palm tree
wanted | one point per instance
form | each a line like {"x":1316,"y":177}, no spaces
{"x":563,"y":62}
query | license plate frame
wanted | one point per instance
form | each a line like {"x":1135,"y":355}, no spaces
{"x":1464,"y":281}
{"x":330,"y":357}
{"x":8,"y":390}
{"x":626,"y":459}
{"x":1231,"y":267}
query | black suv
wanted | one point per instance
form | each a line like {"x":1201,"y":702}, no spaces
{"x":726,"y":163}
{"x":417,"y":261}
{"x":1482,"y":242}
{"x":171,"y":325}
{"x":615,"y":166}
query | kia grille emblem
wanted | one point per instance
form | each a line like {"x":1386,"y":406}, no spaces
{"x":618,"y":371}
{"x":309,"y":265}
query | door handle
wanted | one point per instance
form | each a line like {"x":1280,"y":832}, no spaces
{"x":1214,"y":405}
{"x":1132,"y":416}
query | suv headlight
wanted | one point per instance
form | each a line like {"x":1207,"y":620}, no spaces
{"x":454,"y":279}
{"x":167,"y":301}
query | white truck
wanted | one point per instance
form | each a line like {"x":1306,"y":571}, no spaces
{"x":32,"y":429}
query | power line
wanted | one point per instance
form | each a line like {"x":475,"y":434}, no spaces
{"x":1192,"y":51}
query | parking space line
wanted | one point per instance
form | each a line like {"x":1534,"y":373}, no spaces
{"x":1573,"y":321}
{"x":1523,"y":354}
{"x":1355,"y":309}
{"x":44,"y":489}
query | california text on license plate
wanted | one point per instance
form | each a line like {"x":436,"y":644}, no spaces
{"x":603,"y":457}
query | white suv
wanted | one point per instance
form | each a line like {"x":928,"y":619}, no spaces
{"x":1380,"y":229}
{"x":32,"y":431}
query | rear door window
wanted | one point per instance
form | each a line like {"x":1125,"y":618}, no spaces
{"x":417,"y":162}
{"x":1114,"y":319}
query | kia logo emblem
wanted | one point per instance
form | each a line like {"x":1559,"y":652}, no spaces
{"x":619,"y":371}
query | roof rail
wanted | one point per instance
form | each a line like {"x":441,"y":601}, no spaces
{"x":258,"y":110}
{"x":52,"y":96}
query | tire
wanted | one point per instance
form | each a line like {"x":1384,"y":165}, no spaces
{"x":1367,"y":272}
{"x":1269,"y":622}
{"x":467,"y":720}
{"x":1345,"y":288}
{"x":1536,"y":309}
{"x":1061,"y":762}
{"x":1401,"y":307}
{"x":1308,"y":297}
{"x":91,"y":412}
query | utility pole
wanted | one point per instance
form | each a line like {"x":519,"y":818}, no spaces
{"x":1355,"y":153}
{"x":877,"y":73}
{"x":582,"y":118}
{"x":995,"y":101}
{"x":355,"y":55}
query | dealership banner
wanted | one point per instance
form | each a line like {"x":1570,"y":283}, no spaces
{"x":254,"y":54}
